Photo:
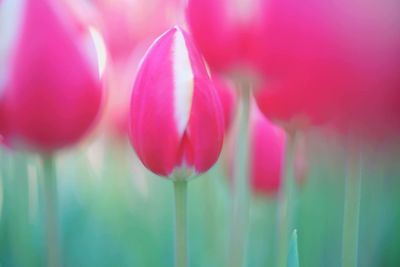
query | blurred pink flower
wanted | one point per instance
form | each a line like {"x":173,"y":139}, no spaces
{"x":230,"y":34}
{"x":334,"y":61}
{"x":125,"y":23}
{"x":53,"y":76}
{"x":267,"y":150}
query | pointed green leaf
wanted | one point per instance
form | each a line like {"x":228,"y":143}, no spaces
{"x":293,"y":257}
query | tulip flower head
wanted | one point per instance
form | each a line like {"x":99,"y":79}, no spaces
{"x":230,"y":33}
{"x":267,"y":150}
{"x":7,"y":10}
{"x":52,"y":74}
{"x":3,"y":128}
{"x":336,"y":62}
{"x":176,"y":119}
{"x":2,"y":117}
{"x":127,"y":23}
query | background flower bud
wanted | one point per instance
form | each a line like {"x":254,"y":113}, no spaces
{"x":267,"y":150}
{"x":230,"y":34}
{"x":54,"y":90}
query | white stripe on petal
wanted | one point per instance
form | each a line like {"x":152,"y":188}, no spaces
{"x":183,"y":82}
{"x":101,"y":51}
{"x":10,"y":20}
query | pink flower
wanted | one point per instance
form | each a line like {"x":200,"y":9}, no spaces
{"x":2,"y":120}
{"x":126,"y":23}
{"x":176,"y":119}
{"x":335,"y":61}
{"x":267,"y":150}
{"x":230,"y":34}
{"x":53,"y":91}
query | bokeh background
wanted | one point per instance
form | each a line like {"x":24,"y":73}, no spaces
{"x":114,"y":212}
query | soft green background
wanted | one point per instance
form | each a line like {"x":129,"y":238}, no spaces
{"x":115,"y":213}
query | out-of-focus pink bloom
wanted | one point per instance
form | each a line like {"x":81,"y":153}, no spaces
{"x":267,"y":155}
{"x":3,"y":124}
{"x":334,"y":61}
{"x":176,"y":118}
{"x":267,"y":150}
{"x":228,"y":97}
{"x":230,"y":33}
{"x":125,"y":23}
{"x":120,"y":123}
{"x":2,"y":121}
{"x":52,"y":74}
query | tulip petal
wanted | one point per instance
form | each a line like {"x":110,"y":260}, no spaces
{"x":206,"y":126}
{"x":153,"y":128}
{"x":205,"y":129}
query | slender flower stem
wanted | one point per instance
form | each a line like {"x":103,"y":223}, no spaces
{"x":50,"y":192}
{"x":2,"y":160}
{"x":240,"y":207}
{"x":351,"y":210}
{"x":181,"y":223}
{"x":286,"y":203}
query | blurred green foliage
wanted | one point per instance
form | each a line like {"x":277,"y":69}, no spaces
{"x":115,"y":213}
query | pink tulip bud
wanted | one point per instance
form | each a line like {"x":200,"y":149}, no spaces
{"x":119,"y":123}
{"x":54,"y":90}
{"x":230,"y":34}
{"x":267,"y":150}
{"x":228,"y":97}
{"x":176,"y":119}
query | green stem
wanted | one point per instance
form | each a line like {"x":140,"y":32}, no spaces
{"x":50,"y":192}
{"x":351,"y":210}
{"x":240,"y":202}
{"x":286,"y":203}
{"x":181,"y":223}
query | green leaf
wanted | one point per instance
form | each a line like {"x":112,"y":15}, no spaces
{"x":293,"y":257}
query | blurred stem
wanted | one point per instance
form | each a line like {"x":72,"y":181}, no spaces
{"x":240,"y":207}
{"x":181,"y":223}
{"x":50,"y":192}
{"x":351,"y":209}
{"x":286,"y":202}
